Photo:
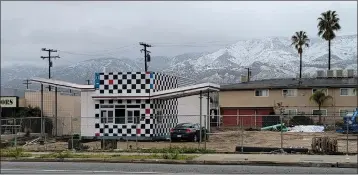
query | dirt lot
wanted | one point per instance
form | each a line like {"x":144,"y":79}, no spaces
{"x":226,"y":141}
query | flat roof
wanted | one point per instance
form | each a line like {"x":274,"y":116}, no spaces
{"x":62,"y":84}
{"x":167,"y":94}
{"x":294,"y":83}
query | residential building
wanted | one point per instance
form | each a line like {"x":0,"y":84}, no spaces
{"x":255,"y":99}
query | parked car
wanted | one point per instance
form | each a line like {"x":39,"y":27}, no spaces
{"x":188,"y":132}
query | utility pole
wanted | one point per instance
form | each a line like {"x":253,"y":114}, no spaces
{"x":248,"y":73}
{"x":146,"y":54}
{"x":88,"y":82}
{"x":27,"y":83}
{"x":49,"y":61}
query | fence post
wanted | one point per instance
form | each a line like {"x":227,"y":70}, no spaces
{"x":281,"y":118}
{"x":347,"y":150}
{"x":15,"y":141}
{"x":72,"y":135}
{"x":242,"y":135}
{"x":205,"y":131}
{"x":201,"y":113}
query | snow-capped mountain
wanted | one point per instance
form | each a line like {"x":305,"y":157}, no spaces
{"x":272,"y":57}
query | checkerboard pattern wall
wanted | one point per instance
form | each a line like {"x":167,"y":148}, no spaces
{"x":135,"y":82}
{"x":164,"y":82}
{"x":125,"y":82}
{"x":166,"y":116}
{"x":143,"y":129}
{"x":157,"y":116}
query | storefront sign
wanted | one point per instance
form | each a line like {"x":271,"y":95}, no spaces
{"x":9,"y":102}
{"x":96,"y":81}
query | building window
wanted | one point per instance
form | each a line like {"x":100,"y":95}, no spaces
{"x":262,"y":93}
{"x":290,"y":112}
{"x":348,"y":91}
{"x":317,"y":112}
{"x":107,"y":116}
{"x":344,"y":112}
{"x":289,"y":92}
{"x":120,"y":114}
{"x":324,"y":90}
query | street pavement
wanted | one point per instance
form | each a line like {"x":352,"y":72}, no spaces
{"x":278,"y":158}
{"x":134,"y":168}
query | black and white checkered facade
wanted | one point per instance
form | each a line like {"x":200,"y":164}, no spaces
{"x":155,"y":116}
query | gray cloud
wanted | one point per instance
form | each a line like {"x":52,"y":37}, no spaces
{"x":102,"y":28}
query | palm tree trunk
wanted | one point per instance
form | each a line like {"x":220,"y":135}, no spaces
{"x":319,"y":115}
{"x":329,"y":54}
{"x":300,"y":65}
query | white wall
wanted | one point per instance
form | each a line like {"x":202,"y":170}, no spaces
{"x":87,"y":114}
{"x":189,"y":109}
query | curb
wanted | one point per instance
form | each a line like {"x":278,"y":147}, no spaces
{"x":192,"y":162}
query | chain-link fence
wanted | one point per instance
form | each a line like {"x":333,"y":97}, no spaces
{"x":235,"y":133}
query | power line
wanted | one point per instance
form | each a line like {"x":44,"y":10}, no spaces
{"x":146,"y":54}
{"x":49,"y":57}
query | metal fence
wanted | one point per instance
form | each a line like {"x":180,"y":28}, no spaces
{"x":223,"y":133}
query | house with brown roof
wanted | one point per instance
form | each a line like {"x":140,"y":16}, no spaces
{"x":248,"y":102}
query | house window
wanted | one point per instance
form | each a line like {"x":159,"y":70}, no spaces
{"x":291,"y":112}
{"x":348,"y":91}
{"x":289,"y":92}
{"x":344,"y":112}
{"x":262,"y":93}
{"x":317,"y":112}
{"x":324,"y":90}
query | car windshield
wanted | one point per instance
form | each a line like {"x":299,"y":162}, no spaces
{"x":184,"y":125}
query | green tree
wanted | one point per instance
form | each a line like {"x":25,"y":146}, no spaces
{"x":299,"y":40}
{"x":328,"y":24}
{"x":320,"y":97}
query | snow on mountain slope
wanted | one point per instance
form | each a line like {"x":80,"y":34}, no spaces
{"x":271,"y":57}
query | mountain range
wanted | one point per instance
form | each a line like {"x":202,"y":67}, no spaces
{"x":272,"y":57}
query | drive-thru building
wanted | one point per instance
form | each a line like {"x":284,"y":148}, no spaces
{"x":141,"y":105}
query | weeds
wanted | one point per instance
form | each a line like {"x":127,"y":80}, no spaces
{"x":179,"y":150}
{"x":17,"y":152}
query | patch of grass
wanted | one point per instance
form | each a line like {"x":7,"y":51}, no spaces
{"x":168,"y":156}
{"x":14,"y":152}
{"x":178,"y":150}
{"x":67,"y":154}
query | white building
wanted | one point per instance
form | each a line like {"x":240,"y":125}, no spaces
{"x":141,"y":105}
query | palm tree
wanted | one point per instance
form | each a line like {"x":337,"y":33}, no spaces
{"x":299,"y":40}
{"x":319,"y":97}
{"x":328,"y":23}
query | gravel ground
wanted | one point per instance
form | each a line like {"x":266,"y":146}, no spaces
{"x":225,"y":141}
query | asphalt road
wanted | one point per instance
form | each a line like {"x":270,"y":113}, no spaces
{"x":125,"y":168}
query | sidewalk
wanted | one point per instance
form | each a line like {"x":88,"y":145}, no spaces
{"x":341,"y":161}
{"x":279,"y":158}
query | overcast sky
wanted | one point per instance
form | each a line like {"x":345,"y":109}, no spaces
{"x":86,"y":30}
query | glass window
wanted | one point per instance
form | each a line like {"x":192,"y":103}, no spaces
{"x":289,"y":92}
{"x":103,"y":116}
{"x":110,"y":115}
{"x":348,"y":91}
{"x":261,"y":93}
{"x":324,"y":90}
